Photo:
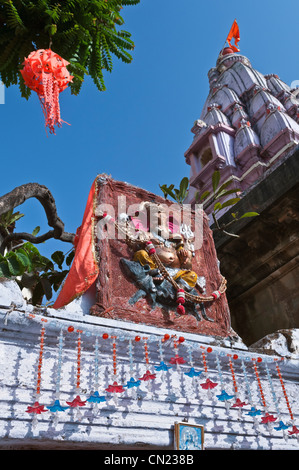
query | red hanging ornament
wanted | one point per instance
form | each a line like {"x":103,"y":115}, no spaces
{"x":45,"y":73}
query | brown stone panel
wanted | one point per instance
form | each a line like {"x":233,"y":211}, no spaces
{"x":114,"y":288}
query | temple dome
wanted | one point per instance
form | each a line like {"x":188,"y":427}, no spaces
{"x":277,"y":86}
{"x":245,"y":137}
{"x":261,"y":99}
{"x":276,"y":122}
{"x":241,"y":77}
{"x":215,"y":116}
{"x":225,"y":96}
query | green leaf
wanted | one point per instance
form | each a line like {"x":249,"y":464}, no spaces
{"x":58,"y":258}
{"x":69,"y":258}
{"x":38,"y":293}
{"x":24,"y":260}
{"x":36,"y":230}
{"x":14,"y":266}
{"x":224,"y":185}
{"x":4,"y":271}
{"x":184,"y":186}
{"x":217,"y":207}
{"x":47,"y":289}
{"x":249,"y":214}
{"x":204,"y":195}
{"x":231,"y":202}
{"x":226,"y":193}
{"x":215,"y":179}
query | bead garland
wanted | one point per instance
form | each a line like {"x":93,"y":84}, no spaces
{"x":36,"y":408}
{"x":177,"y":359}
{"x":115,"y":387}
{"x":148,"y":375}
{"x":267,"y":418}
{"x":208,"y":384}
{"x":295,"y":430}
{"x":77,"y":403}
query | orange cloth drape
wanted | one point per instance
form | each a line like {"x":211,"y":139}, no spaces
{"x":234,"y":34}
{"x":84,"y":269}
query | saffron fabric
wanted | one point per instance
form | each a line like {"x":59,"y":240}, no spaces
{"x":234,"y":34}
{"x":84,"y":269}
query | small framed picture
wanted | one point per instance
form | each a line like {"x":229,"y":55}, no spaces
{"x":188,"y":436}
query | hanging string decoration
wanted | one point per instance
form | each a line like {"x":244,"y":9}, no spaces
{"x":281,"y":426}
{"x":132,"y":383}
{"x":177,"y":359}
{"x":162,"y":366}
{"x":77,"y":402}
{"x":117,"y":388}
{"x":267,"y":418}
{"x":192,"y":372}
{"x":238,"y":403}
{"x":114,"y":387}
{"x":148,"y":374}
{"x":57,"y":405}
{"x":36,"y":408}
{"x":224,"y":396}
{"x":208,"y":384}
{"x":253,"y":412}
{"x":295,"y":430}
{"x":46,"y":73}
{"x":95,"y":398}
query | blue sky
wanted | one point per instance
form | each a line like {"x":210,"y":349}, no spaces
{"x":139,"y":128}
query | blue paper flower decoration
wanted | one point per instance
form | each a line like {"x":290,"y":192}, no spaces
{"x":57,"y":407}
{"x":192,"y":372}
{"x":254,"y":412}
{"x":163,"y":366}
{"x":96,"y":398}
{"x":281,"y":426}
{"x":224,"y":396}
{"x":133,"y":383}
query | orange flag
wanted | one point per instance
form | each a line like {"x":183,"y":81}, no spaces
{"x":234,"y":34}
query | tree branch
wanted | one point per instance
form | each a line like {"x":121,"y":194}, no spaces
{"x":18,"y":196}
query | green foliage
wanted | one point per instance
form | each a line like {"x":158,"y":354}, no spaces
{"x":84,"y":32}
{"x":216,"y":196}
{"x":178,"y":194}
{"x":8,"y":219}
{"x":36,"y":272}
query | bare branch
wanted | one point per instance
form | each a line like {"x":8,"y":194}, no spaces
{"x":18,"y":196}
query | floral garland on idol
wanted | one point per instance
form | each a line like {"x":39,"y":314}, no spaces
{"x":227,"y":390}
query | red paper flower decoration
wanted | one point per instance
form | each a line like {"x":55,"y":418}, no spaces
{"x":36,"y":408}
{"x":268,"y":419}
{"x":209,"y":384}
{"x":45,"y":73}
{"x":295,"y":430}
{"x":239,"y":403}
{"x":148,"y":376}
{"x":177,"y":360}
{"x":115,"y":388}
{"x":76,"y":402}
